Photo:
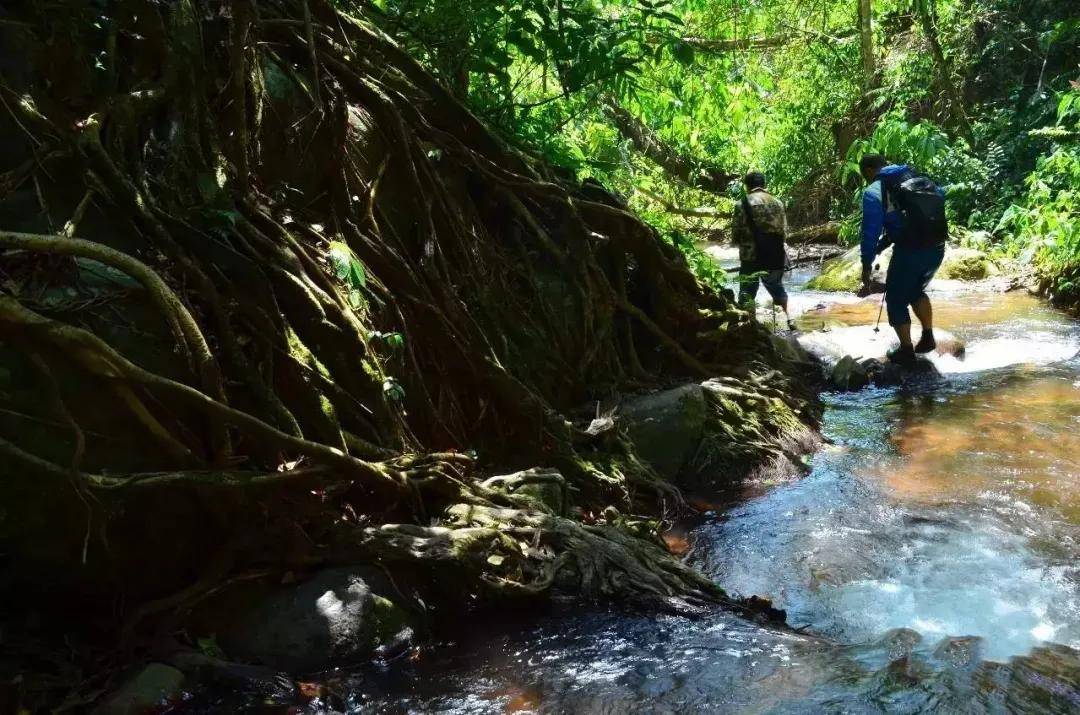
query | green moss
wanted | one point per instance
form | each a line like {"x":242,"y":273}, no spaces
{"x":841,"y":274}
{"x":966,"y":264}
{"x":327,"y":408}
{"x":741,"y":427}
{"x":844,"y":273}
{"x":389,"y":619}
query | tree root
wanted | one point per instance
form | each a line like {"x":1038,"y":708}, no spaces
{"x":391,"y":279}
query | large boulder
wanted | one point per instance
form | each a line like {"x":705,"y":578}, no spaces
{"x":966,"y":264}
{"x":333,"y":617}
{"x":666,"y":427}
{"x":844,"y":273}
{"x":862,"y":342}
{"x":719,"y":431}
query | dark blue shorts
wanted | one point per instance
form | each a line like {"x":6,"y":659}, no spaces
{"x":910,"y":271}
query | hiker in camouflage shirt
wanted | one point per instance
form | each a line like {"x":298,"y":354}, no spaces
{"x":759,"y":229}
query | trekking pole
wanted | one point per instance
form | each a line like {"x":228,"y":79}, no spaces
{"x":877,"y":325}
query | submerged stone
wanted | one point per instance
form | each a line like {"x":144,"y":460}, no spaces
{"x":1045,"y":681}
{"x":899,"y":642}
{"x":960,"y":651}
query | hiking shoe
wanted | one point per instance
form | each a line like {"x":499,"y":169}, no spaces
{"x":926,"y":342}
{"x":902,"y":355}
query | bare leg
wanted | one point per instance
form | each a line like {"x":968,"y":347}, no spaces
{"x":787,"y":316}
{"x":904,"y":333}
{"x":924,"y":312}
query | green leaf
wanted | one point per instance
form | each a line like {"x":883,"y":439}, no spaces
{"x":393,"y":391}
{"x":209,"y":646}
{"x":347,"y":265}
{"x":682,"y":52}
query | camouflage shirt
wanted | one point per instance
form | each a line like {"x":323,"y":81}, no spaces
{"x":769,"y":218}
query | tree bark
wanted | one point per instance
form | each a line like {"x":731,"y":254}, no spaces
{"x":866,"y":43}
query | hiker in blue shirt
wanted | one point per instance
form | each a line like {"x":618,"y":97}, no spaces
{"x":907,"y":212}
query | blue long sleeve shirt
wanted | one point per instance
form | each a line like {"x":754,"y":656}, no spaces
{"x":875,"y":220}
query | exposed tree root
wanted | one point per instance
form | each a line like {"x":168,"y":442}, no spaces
{"x":308,"y":285}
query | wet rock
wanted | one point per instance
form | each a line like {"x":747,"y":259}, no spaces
{"x":666,"y":427}
{"x":153,"y":688}
{"x":889,"y":374}
{"x":1045,"y":681}
{"x":269,"y":686}
{"x":899,"y":642}
{"x":333,"y":617}
{"x":961,"y":652}
{"x":850,"y":375}
{"x":901,"y":674}
{"x":861,"y":342}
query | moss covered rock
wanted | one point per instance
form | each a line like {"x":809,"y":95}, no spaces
{"x":720,"y":430}
{"x":844,"y":273}
{"x":966,"y":264}
{"x":666,"y":427}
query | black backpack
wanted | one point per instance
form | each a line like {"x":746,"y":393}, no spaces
{"x":769,"y":253}
{"x":923,"y":209}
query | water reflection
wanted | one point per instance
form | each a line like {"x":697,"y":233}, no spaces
{"x":1016,"y":443}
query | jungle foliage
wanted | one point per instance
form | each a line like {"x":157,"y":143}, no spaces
{"x":968,"y":92}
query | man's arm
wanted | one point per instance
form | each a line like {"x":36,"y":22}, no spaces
{"x":738,"y":225}
{"x":873,"y":222}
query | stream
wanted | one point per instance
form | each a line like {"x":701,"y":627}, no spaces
{"x":929,"y":559}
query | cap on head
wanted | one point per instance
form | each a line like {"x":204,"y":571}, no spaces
{"x":754,"y":180}
{"x":871,"y":164}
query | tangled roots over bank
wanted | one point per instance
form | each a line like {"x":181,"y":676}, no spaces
{"x":266,"y":285}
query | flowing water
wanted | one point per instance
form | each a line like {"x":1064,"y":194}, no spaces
{"x":931,"y":555}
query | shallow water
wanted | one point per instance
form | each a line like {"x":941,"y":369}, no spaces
{"x":932,"y":556}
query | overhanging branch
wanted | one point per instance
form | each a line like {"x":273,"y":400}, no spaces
{"x":678,"y":166}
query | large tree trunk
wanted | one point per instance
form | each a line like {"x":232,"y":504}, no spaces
{"x":866,"y":44}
